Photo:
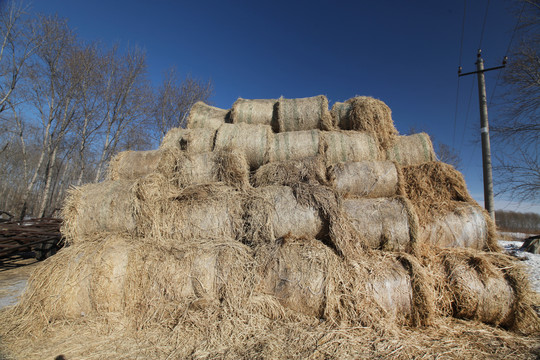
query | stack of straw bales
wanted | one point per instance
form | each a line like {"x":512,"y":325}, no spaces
{"x":276,"y":212}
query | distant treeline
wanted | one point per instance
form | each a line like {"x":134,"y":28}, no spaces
{"x":518,"y":222}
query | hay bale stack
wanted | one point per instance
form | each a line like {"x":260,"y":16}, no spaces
{"x":411,"y":150}
{"x":205,"y":116}
{"x":190,"y":140}
{"x":256,"y":111}
{"x":369,"y":178}
{"x":345,"y":146}
{"x":294,"y":145}
{"x":363,"y":113}
{"x":251,"y":140}
{"x":326,"y":247}
{"x":382,"y":223}
{"x":109,"y":206}
{"x":303,"y":114}
{"x":309,"y":170}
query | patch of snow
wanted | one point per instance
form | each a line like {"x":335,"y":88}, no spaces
{"x":516,"y":235}
{"x":532,"y":261}
{"x":10,"y":293}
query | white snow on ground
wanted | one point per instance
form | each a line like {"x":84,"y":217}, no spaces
{"x":532,"y":261}
{"x":9,"y":294}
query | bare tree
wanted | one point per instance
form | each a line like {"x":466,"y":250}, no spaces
{"x":53,"y":92}
{"x":17,"y":43}
{"x":174,"y":98}
{"x":448,"y":155}
{"x":516,"y":134}
{"x":87,"y":63}
{"x":125,"y":98}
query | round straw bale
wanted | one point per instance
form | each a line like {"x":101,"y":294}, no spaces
{"x":391,"y":289}
{"x":251,"y":140}
{"x":190,"y":140}
{"x":228,"y":166}
{"x":130,"y":165}
{"x":411,"y":150}
{"x":367,"y":178}
{"x":383,"y":223}
{"x":465,"y":226}
{"x":256,"y":111}
{"x":524,"y":317}
{"x":371,"y":288}
{"x":108,"y":206}
{"x":345,"y":146}
{"x":205,"y":116}
{"x":164,"y":284}
{"x":364,"y":113}
{"x":340,"y":115}
{"x":81,"y":279}
{"x":479,"y":289}
{"x":278,"y":212}
{"x":297,"y":275}
{"x":294,"y":145}
{"x":303,"y":114}
{"x":208,"y":211}
{"x":309,"y":170}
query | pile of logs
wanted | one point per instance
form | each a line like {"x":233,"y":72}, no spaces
{"x":42,"y":236}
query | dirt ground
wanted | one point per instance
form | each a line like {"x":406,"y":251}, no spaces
{"x":14,"y":274}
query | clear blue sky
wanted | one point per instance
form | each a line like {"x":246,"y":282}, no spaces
{"x":405,"y":53}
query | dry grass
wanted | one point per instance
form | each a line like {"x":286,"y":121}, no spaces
{"x":293,"y":299}
{"x":438,"y":191}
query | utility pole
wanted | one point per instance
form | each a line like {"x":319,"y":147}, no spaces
{"x":484,"y":130}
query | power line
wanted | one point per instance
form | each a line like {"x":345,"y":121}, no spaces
{"x":460,"y":58}
{"x":462,"y":30}
{"x":484,"y":25}
{"x":507,"y":51}
{"x":467,"y":114}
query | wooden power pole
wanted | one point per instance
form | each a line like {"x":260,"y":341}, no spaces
{"x":484,"y":130}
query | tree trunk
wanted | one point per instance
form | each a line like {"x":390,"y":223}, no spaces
{"x":48,"y":182}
